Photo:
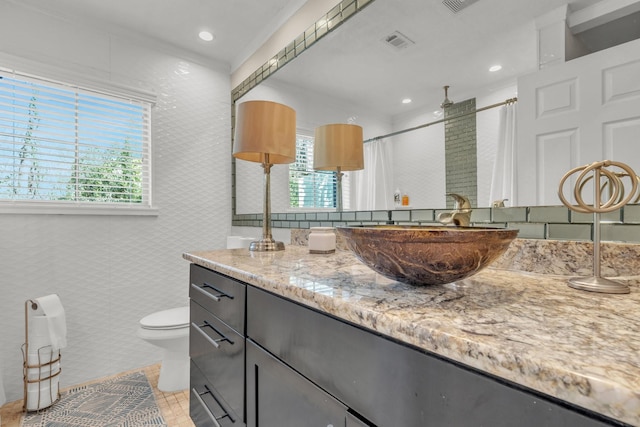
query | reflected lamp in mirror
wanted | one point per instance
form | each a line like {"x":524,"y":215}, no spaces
{"x":265,"y":132}
{"x":338,"y":147}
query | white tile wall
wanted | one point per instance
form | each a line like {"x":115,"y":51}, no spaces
{"x":419,"y":160}
{"x":112,"y":270}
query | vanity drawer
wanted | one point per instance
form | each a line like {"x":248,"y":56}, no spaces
{"x":218,"y":351}
{"x":219,"y":294}
{"x":206,"y":407}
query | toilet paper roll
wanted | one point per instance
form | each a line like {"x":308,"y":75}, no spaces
{"x":41,"y":356}
{"x":38,"y":332}
{"x":56,"y":320}
{"x":43,"y":372}
{"x":42,"y":394}
{"x":40,"y":349}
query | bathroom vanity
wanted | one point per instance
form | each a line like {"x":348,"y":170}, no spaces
{"x":292,"y":338}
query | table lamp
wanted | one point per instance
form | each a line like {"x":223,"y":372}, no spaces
{"x":265,"y":132}
{"x":338,"y":147}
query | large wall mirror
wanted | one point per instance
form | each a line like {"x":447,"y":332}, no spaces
{"x":389,"y":50}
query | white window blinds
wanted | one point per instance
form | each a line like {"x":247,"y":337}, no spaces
{"x":66,"y":144}
{"x":309,"y":188}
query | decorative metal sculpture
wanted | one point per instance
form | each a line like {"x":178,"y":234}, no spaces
{"x":602,"y":178}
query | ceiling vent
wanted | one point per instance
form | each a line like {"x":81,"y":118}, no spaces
{"x":457,"y":5}
{"x":398,"y":40}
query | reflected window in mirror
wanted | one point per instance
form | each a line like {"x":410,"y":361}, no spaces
{"x":311,"y":189}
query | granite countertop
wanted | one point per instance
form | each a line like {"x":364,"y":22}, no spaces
{"x":534,"y":330}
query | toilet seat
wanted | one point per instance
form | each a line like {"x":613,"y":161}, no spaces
{"x":173,"y":318}
{"x":169,"y":330}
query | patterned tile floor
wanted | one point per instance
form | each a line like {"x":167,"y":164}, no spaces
{"x":174,"y":406}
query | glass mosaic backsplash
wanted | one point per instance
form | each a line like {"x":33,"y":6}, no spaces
{"x":534,"y":222}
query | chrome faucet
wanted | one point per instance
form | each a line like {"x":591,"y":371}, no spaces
{"x":460,"y":215}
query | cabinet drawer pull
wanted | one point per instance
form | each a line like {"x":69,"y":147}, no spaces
{"x":204,"y":406}
{"x":213,"y":342}
{"x":213,"y":418}
{"x":221,"y":294}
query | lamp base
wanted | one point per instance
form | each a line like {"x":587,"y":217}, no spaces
{"x":598,"y":284}
{"x":266,"y":245}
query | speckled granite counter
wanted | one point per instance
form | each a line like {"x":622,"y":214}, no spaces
{"x":534,"y":330}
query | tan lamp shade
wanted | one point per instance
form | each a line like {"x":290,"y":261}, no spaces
{"x":265,"y":127}
{"x":338,"y":146}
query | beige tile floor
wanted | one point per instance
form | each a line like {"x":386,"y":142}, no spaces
{"x":174,"y":406}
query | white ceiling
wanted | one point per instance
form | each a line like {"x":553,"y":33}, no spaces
{"x":239,"y":26}
{"x":453,"y":49}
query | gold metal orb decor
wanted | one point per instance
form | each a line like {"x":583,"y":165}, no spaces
{"x":425,"y":255}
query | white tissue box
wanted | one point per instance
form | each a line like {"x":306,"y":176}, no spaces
{"x":322,"y":240}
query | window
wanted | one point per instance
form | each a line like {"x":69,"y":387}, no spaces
{"x":309,"y":188}
{"x":64,"y":144}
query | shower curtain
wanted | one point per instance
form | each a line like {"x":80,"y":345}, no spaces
{"x":373,"y":183}
{"x":504,"y":177}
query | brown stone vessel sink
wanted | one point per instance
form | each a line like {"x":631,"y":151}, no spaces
{"x":421,"y":255}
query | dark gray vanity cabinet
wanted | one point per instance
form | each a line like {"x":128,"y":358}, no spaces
{"x":261,"y":359}
{"x":388,"y":383}
{"x":217,"y":349}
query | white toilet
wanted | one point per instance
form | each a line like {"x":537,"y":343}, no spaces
{"x":169,"y":330}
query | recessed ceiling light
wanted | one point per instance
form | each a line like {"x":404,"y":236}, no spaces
{"x":206,"y":36}
{"x":495,"y":68}
{"x":406,"y":101}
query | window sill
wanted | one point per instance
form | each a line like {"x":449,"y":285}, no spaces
{"x":49,"y":208}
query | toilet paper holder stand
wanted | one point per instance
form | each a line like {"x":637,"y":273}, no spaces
{"x":45,"y":369}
